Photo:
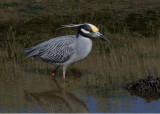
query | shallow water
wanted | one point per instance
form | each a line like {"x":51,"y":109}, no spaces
{"x":39,"y":93}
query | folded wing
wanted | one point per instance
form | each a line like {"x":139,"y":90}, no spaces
{"x":57,"y":50}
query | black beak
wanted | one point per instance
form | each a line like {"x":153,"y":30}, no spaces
{"x":102,"y":37}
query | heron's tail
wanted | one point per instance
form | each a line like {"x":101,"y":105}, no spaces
{"x":29,"y":52}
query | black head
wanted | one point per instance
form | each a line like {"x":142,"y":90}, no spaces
{"x":90,"y":31}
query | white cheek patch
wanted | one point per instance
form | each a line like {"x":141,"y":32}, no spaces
{"x":87,"y":32}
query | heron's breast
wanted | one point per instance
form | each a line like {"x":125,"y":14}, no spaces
{"x":83,"y":48}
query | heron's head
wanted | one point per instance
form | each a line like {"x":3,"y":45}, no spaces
{"x":91,"y":31}
{"x":87,"y":30}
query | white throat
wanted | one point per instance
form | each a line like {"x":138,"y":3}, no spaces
{"x":83,"y":47}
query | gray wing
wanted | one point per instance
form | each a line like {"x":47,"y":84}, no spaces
{"x":57,"y":50}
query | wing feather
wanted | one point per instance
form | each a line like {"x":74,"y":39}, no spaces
{"x":57,"y":50}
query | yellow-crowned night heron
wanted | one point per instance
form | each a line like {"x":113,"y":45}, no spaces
{"x":65,"y":50}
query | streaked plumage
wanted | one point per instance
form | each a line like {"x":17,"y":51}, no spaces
{"x":56,"y":51}
{"x":65,"y":50}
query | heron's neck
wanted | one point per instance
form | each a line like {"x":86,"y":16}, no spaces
{"x":84,"y":46}
{"x":78,"y":35}
{"x":83,"y":38}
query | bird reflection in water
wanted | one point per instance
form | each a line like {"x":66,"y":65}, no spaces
{"x":58,"y":100}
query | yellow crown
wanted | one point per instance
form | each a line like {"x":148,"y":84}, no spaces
{"x":94,"y":28}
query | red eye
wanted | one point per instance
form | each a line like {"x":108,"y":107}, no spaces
{"x":90,"y":31}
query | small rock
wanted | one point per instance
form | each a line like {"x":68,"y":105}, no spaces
{"x":146,"y":87}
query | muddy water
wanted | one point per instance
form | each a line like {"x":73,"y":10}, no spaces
{"x":37,"y":92}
